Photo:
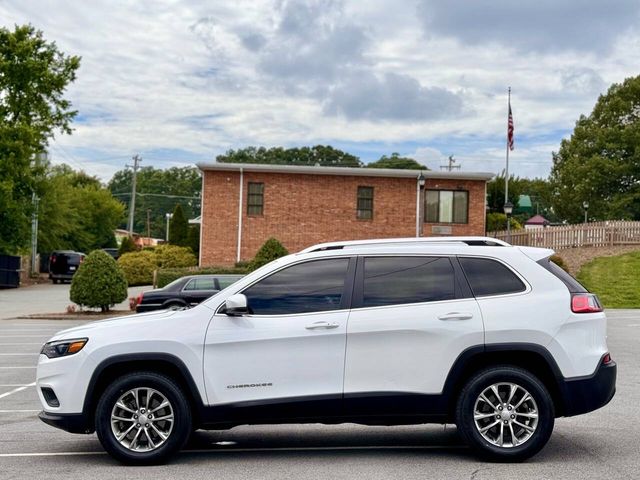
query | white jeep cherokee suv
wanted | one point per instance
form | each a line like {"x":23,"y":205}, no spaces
{"x":467,"y":330}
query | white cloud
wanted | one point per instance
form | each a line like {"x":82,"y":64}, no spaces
{"x":180,"y":81}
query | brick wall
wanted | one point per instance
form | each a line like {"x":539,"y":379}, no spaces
{"x":300,"y":210}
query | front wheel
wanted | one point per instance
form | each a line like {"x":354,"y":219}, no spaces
{"x":505,"y":414}
{"x":143,"y":418}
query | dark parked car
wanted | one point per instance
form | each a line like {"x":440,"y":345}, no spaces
{"x":63,"y":264}
{"x":113,"y":252}
{"x":184,"y":292}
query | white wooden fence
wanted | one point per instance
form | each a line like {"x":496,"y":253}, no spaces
{"x":594,"y":234}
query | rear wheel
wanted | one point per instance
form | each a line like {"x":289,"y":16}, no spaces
{"x":505,"y":414}
{"x":143,"y":418}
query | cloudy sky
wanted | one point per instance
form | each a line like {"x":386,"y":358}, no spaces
{"x":182,"y":81}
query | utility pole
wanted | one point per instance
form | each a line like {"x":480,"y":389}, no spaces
{"x":34,"y":234}
{"x":132,"y":204}
{"x":148,"y":223}
{"x":451,"y":165}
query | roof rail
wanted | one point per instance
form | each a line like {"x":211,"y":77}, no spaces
{"x":471,"y":241}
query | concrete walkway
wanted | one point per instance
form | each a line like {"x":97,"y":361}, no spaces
{"x":45,"y":298}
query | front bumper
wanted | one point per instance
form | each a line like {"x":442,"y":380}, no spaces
{"x":70,"y":422}
{"x":585,"y":394}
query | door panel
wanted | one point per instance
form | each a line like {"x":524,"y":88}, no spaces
{"x":278,"y":354}
{"x":397,"y":343}
{"x":293,"y":342}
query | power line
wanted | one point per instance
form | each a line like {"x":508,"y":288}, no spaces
{"x":154,"y":195}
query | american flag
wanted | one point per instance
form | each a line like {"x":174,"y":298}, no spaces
{"x":510,"y":128}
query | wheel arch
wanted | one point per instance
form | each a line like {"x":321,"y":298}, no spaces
{"x":163,"y":363}
{"x":531,"y":357}
{"x":174,"y":301}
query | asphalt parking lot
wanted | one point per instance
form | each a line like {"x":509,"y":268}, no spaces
{"x":603,"y":444}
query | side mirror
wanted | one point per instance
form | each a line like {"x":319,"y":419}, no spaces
{"x":236,"y":305}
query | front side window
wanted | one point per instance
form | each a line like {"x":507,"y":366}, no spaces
{"x":365,"y":203}
{"x":315,"y":286}
{"x":446,"y":206}
{"x":401,"y":280}
{"x":490,"y":277}
{"x":255,"y":198}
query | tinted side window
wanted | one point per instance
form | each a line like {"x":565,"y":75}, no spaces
{"x":398,"y":280}
{"x":224,"y":282}
{"x":307,"y":287}
{"x":201,"y":284}
{"x":572,"y":284}
{"x":490,"y":277}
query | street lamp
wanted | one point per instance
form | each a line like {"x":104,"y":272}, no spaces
{"x":585,"y":205}
{"x":420,"y":199}
{"x":169,"y":217}
{"x":508,"y":210}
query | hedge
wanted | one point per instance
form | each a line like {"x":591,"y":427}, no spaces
{"x":138,"y":267}
{"x":165,"y":276}
{"x":99,"y":282}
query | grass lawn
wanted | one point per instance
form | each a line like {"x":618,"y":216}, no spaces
{"x":616,"y":280}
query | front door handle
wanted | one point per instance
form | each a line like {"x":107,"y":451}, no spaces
{"x":456,"y":316}
{"x":322,"y":325}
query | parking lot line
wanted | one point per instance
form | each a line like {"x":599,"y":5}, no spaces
{"x":20,"y":411}
{"x":18,"y":354}
{"x":19,"y":389}
{"x":11,"y":368}
{"x":259,"y":449}
{"x":5,"y":385}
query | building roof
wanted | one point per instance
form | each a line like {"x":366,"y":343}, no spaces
{"x":345,"y":171}
{"x":537,"y":220}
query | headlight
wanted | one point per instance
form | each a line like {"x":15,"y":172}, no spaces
{"x":63,"y":348}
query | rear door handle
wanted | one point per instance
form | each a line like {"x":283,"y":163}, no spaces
{"x":456,"y":316}
{"x":322,"y":325}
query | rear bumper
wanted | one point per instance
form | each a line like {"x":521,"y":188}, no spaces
{"x":69,"y":422}
{"x":148,"y":307}
{"x":61,"y":276}
{"x":585,"y":394}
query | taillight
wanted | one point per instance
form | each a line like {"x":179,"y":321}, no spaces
{"x":139,"y":299}
{"x":606,"y":360}
{"x":52,"y":259}
{"x":585,"y":303}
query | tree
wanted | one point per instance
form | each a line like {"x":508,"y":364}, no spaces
{"x":178,"y":228}
{"x":324,"y":155}
{"x":600,"y":163}
{"x":33,"y":77}
{"x":158,"y":191}
{"x":271,"y":250}
{"x":99,"y":282}
{"x":396,"y":161}
{"x":193,"y":239}
{"x":495,"y":192}
{"x":127,"y":245}
{"x":76,"y":212}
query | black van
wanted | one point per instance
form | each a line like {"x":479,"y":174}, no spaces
{"x":63,"y":264}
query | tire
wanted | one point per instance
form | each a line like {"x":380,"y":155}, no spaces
{"x":143,"y":445}
{"x":175,"y":306}
{"x":55,"y":281}
{"x":517,"y":412}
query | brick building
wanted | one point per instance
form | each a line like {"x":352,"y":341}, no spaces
{"x":243,"y":205}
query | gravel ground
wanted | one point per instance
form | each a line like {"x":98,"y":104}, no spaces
{"x":603,"y":444}
{"x":575,"y":258}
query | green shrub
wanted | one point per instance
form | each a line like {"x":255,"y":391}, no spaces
{"x":498,"y":221}
{"x":138,"y":267}
{"x":99,"y":282}
{"x":166,"y":276}
{"x":557,"y":259}
{"x":172,"y":256}
{"x":178,"y":227}
{"x":271,"y":250}
{"x":193,"y":239}
{"x":127,"y":245}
